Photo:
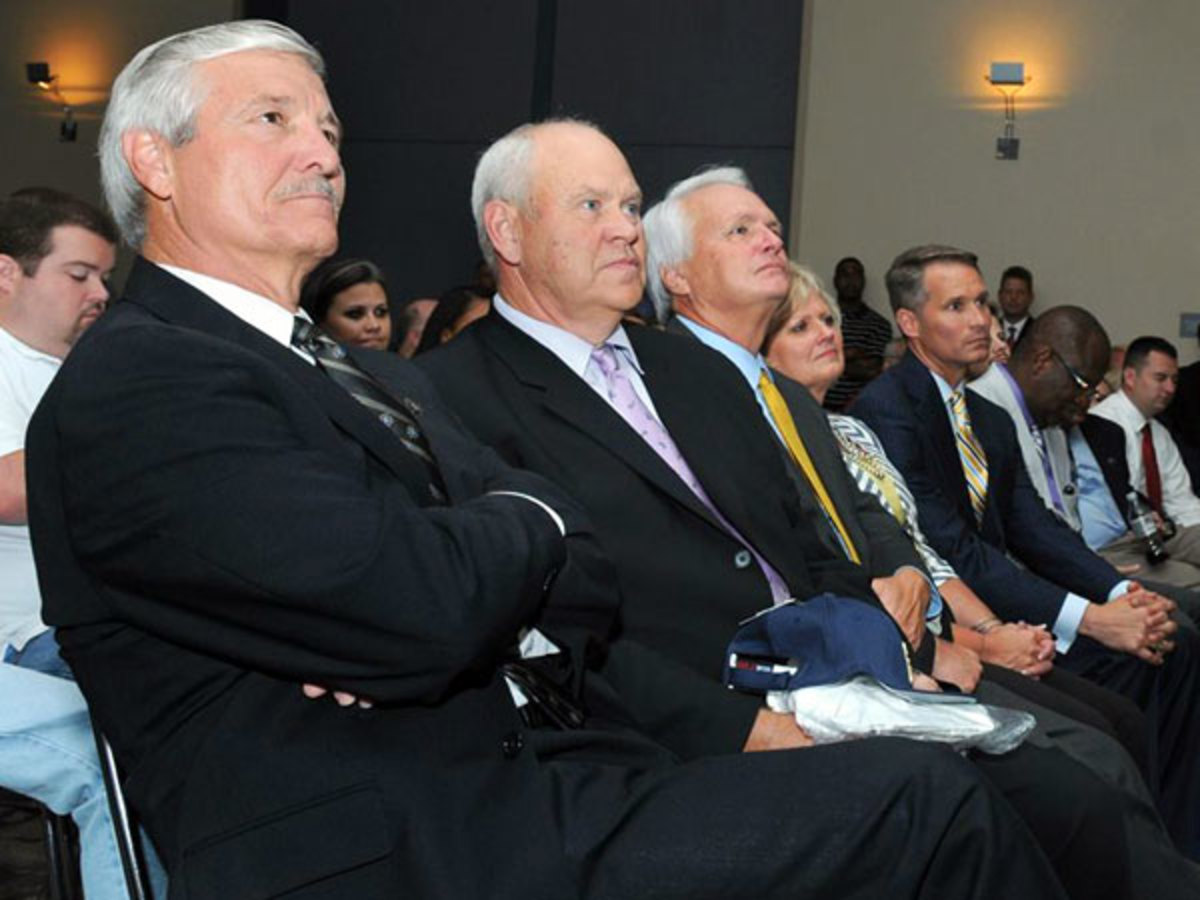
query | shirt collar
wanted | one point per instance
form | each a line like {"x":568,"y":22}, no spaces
{"x":751,"y":365}
{"x":573,"y":350}
{"x":255,"y":310}
{"x":1125,"y":406}
{"x":944,"y":387}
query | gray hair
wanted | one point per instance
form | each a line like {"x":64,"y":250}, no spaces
{"x":158,"y":91}
{"x":505,"y":172}
{"x":669,"y":229}
{"x":805,"y":283}
{"x":906,"y":277}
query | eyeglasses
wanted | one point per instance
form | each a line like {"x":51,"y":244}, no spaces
{"x":1085,"y":387}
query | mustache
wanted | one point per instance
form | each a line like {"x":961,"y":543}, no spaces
{"x":314,"y":185}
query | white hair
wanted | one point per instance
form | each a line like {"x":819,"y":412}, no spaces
{"x":158,"y":91}
{"x":505,"y":172}
{"x":669,"y":229}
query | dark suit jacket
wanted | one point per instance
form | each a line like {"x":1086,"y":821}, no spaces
{"x":881,"y":544}
{"x":685,"y":583}
{"x":1182,"y":417}
{"x":904,"y":408}
{"x":1107,"y":442}
{"x":216,"y":523}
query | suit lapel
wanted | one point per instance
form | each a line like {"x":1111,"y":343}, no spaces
{"x":705,"y":440}
{"x":712,"y":435}
{"x":927,"y":402}
{"x":176,"y":301}
{"x":565,"y":396}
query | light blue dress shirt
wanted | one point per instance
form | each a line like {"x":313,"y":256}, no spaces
{"x":1101,"y":519}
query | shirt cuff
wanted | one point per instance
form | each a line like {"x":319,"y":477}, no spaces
{"x":558,"y":521}
{"x":1121,"y":587}
{"x":1066,"y":626}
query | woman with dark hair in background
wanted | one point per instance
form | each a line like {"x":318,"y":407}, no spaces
{"x":348,"y":299}
{"x":455,"y":310}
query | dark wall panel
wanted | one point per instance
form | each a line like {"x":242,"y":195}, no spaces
{"x":455,"y":70}
{"x":680,"y":72}
{"x":408,"y":207}
{"x":422,"y":88}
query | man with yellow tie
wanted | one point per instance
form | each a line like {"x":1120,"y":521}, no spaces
{"x":654,"y":434}
{"x":979,"y":510}
{"x":717,"y":270}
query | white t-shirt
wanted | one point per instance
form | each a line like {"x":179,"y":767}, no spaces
{"x":25,"y":374}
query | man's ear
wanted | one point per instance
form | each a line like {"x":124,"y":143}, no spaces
{"x":675,"y":281}
{"x":906,"y":321}
{"x":1128,"y":376}
{"x":503,"y":230}
{"x":149,"y":159}
{"x":1043,"y":359}
{"x":10,"y":274}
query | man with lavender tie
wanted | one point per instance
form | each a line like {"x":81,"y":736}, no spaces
{"x":663,"y":443}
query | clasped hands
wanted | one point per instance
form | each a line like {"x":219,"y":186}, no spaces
{"x":1137,"y":622}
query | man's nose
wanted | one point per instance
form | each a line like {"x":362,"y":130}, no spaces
{"x":625,"y":225}
{"x":772,"y":240}
{"x":320,"y":150}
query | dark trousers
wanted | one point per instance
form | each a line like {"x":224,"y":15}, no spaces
{"x":864,"y":819}
{"x":1077,"y":698}
{"x":1169,"y":695}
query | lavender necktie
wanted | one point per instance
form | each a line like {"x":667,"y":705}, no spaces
{"x":631,"y":408}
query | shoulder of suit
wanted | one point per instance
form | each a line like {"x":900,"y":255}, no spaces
{"x":654,"y":343}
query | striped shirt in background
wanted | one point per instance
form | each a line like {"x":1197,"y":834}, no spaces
{"x":869,"y":331}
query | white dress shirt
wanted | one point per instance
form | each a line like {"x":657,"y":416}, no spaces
{"x":1180,"y":502}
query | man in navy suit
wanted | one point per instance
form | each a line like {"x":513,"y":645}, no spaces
{"x":978,"y":507}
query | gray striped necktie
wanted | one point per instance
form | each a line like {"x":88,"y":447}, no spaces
{"x":397,"y":414}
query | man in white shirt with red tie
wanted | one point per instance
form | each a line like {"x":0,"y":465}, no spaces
{"x":1148,"y":381}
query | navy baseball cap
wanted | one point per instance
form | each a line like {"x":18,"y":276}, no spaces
{"x":824,"y":640}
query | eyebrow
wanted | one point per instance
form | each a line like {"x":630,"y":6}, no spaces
{"x":287,"y":102}
{"x":587,"y":191}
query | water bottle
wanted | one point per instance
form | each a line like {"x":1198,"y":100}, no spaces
{"x":1141,"y":521}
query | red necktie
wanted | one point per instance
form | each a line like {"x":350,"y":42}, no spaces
{"x":1150,"y":464}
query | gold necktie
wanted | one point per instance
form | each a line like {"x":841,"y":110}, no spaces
{"x":974,"y":460}
{"x":791,"y":437}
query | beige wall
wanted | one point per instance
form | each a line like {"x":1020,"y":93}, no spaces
{"x":86,"y":43}
{"x":1104,"y":204}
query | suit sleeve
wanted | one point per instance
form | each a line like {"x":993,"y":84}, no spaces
{"x":1047,"y":545}
{"x":1013,"y":592}
{"x":222,"y":525}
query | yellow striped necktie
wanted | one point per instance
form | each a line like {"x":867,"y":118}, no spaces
{"x":974,"y":460}
{"x":799,"y":453}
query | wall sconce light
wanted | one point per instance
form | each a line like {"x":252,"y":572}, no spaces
{"x":38,"y":73}
{"x":1008,"y":78}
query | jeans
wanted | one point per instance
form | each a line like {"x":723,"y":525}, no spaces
{"x":47,"y":752}
{"x":40,"y":654}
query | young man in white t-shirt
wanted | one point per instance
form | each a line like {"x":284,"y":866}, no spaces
{"x":56,"y":254}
